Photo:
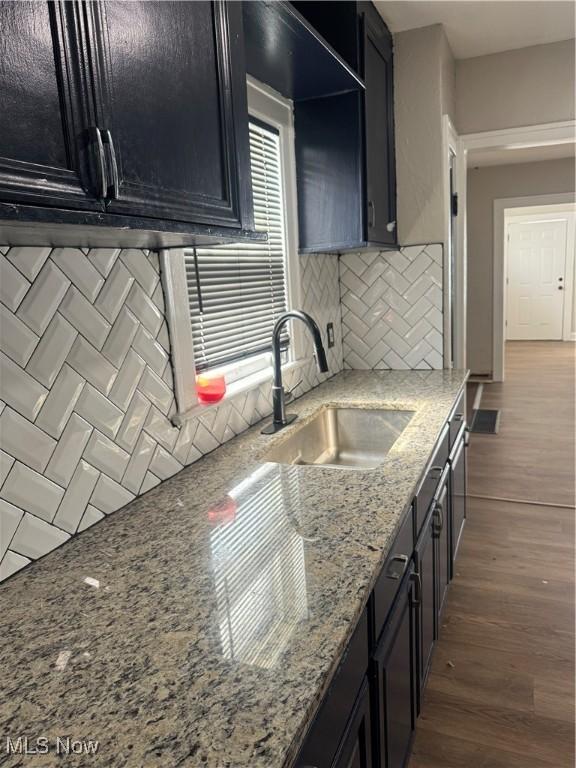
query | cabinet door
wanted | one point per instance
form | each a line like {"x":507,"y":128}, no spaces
{"x":172,"y":95}
{"x":45,"y":111}
{"x":458,"y":496}
{"x":338,"y":715}
{"x":395,"y":665}
{"x":379,"y":117}
{"x":356,"y":747}
{"x":443,"y":561}
{"x":426,"y":616}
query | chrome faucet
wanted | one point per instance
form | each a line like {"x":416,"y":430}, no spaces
{"x":281,"y":419}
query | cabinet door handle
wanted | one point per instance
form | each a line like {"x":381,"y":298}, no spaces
{"x":372,"y":214}
{"x":417,"y":592}
{"x":98,"y":145}
{"x":391,"y":573}
{"x":439,"y":510}
{"x":113,"y":188}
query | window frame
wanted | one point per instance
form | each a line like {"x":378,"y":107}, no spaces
{"x":266,"y":105}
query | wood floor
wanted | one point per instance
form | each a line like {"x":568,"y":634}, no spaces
{"x":501,"y":689}
{"x":532,"y":457}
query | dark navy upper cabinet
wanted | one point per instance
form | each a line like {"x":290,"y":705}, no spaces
{"x":128,"y":116}
{"x":379,"y":128}
{"x":345,"y":158}
{"x":172,"y":109}
{"x":45,"y":107}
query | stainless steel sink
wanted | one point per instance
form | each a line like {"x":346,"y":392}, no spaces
{"x":354,"y":438}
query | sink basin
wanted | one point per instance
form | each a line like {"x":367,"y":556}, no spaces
{"x":353,"y":438}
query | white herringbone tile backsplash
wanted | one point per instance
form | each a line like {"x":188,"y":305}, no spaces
{"x":87,"y":393}
{"x":392,"y":308}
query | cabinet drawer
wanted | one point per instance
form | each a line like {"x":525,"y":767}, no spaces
{"x":324,"y":736}
{"x":428,"y":486}
{"x":457,"y":419}
{"x":389,"y":581}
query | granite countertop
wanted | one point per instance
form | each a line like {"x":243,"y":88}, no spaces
{"x":201,"y":624}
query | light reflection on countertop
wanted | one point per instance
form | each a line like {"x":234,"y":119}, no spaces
{"x":226,"y":597}
{"x":259,"y":566}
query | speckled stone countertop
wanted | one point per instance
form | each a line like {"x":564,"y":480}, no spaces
{"x":217,"y":605}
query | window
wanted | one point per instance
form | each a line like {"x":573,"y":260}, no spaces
{"x":238,"y":291}
{"x":222,"y":302}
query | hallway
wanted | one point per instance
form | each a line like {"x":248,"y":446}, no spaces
{"x":501,"y":689}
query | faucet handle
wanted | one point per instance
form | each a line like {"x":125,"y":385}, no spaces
{"x":289,"y":394}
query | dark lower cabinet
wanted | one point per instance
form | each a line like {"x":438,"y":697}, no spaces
{"x":340,"y":734}
{"x":394,"y":676}
{"x":360,"y":728}
{"x":333,"y":745}
{"x":444,"y":557}
{"x":425,"y":562}
{"x":432,"y":559}
{"x":356,"y":746}
{"x":457,"y":494}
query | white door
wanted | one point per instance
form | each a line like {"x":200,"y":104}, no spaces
{"x":536,"y":280}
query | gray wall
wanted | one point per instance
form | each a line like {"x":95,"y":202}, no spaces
{"x":527,"y":86}
{"x":424,"y":90}
{"x":447,"y":79}
{"x":484,"y":186}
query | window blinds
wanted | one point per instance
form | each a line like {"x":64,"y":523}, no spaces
{"x":237,"y":291}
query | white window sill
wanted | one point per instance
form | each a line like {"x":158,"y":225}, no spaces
{"x":236,"y":388}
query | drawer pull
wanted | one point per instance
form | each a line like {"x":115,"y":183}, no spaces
{"x":417,"y":591}
{"x":396,"y":574}
{"x":435,"y":472}
{"x":458,"y":417}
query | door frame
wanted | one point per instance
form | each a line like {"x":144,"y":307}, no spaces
{"x":451,"y":146}
{"x":544,"y":134}
{"x":499,"y":272}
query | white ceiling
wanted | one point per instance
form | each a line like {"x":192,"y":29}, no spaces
{"x":481,"y":157}
{"x":479,"y":27}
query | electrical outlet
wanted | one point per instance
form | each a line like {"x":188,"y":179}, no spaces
{"x":330,"y":335}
